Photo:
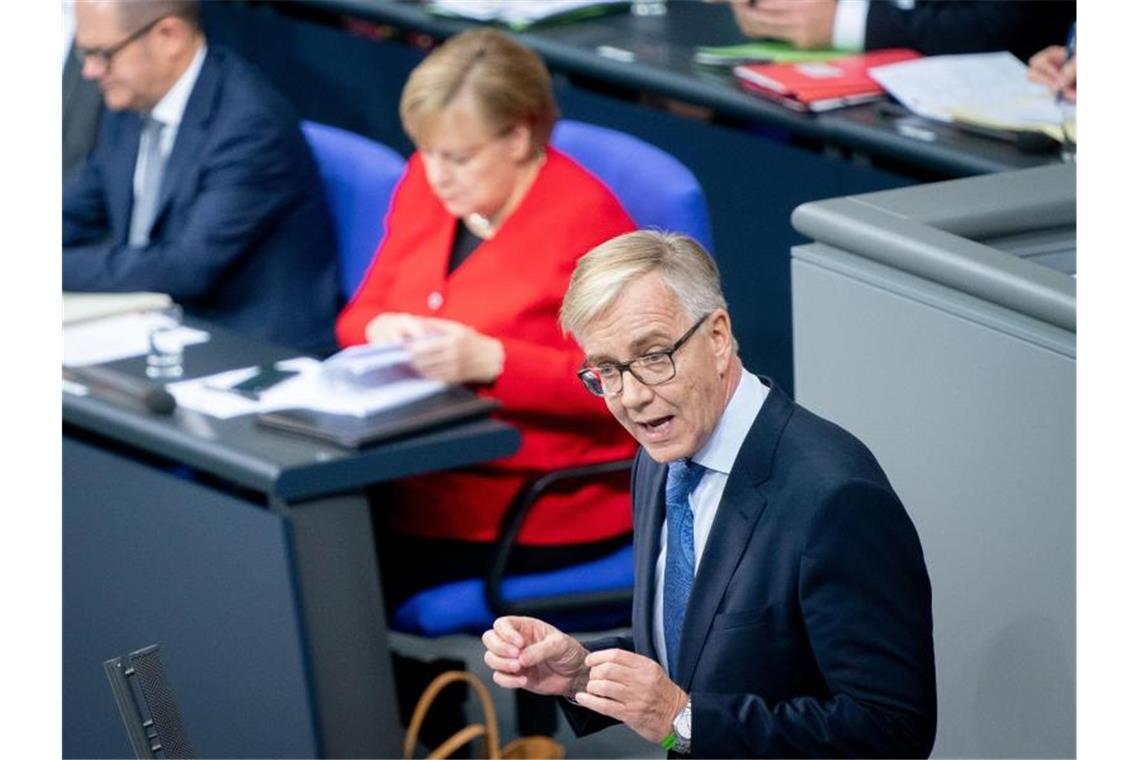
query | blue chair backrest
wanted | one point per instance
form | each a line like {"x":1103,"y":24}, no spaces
{"x":655,"y":188}
{"x":359,"y":176}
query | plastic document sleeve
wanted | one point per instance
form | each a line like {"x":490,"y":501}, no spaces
{"x":456,"y":404}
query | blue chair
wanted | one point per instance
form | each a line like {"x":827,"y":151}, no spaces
{"x":590,"y":596}
{"x":359,"y":176}
{"x":655,"y":188}
{"x":586,"y":597}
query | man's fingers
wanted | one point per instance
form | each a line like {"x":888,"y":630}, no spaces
{"x":497,"y":645}
{"x":550,"y":647}
{"x":619,"y":656}
{"x":769,"y":30}
{"x":601,"y":705}
{"x":613,"y":671}
{"x":778,"y":6}
{"x":507,"y":630}
{"x":609,"y":689}
{"x":778,"y":18}
{"x":508,"y":681}
{"x":501,"y":664}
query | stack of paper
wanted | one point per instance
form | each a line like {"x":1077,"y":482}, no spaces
{"x":310,"y":389}
{"x":96,"y":341}
{"x":519,"y":14}
{"x":79,"y":307}
{"x":820,"y":85}
{"x":988,"y":89}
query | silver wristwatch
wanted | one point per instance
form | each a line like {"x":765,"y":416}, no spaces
{"x":683,"y":730}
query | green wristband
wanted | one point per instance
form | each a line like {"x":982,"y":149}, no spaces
{"x":669,"y":741}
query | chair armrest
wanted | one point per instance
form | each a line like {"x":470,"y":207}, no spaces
{"x":511,"y":525}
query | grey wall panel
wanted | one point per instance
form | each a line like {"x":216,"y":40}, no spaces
{"x":149,"y":557}
{"x":970,"y":408}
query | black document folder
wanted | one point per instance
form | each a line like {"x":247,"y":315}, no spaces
{"x":451,"y":406}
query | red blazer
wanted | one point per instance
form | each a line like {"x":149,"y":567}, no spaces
{"x":510,"y":288}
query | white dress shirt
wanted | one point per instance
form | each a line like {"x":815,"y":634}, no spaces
{"x":849,"y":29}
{"x":717,"y":457}
{"x":68,"y":28}
{"x":169,"y":111}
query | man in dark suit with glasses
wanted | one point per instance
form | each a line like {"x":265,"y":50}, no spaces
{"x":200,"y":184}
{"x":781,"y":603}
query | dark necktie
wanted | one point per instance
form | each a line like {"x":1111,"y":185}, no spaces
{"x":146,"y":200}
{"x":680,"y":560}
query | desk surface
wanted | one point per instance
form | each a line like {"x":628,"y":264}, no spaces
{"x":287,"y":467}
{"x":662,"y":47}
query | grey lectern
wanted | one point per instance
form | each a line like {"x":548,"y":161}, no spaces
{"x":249,"y":554}
{"x":938,"y":324}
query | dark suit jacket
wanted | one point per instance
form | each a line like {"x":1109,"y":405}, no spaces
{"x":942,"y":27}
{"x":82,"y":106}
{"x":809,"y":630}
{"x":242,"y":235}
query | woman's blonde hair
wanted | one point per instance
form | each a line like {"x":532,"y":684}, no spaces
{"x":602,"y":274}
{"x":509,"y":82}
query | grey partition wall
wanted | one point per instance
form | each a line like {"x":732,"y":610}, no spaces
{"x":938,"y":323}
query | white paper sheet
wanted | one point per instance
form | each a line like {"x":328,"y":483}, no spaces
{"x":308,"y":390}
{"x":938,"y":87}
{"x":120,"y":337}
{"x":79,"y":307}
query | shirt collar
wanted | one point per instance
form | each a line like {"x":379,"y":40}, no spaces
{"x":720,"y":451}
{"x":170,"y":109}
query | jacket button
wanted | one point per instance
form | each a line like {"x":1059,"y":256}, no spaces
{"x":435,"y":300}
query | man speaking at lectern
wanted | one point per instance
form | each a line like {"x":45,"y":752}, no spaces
{"x":781,"y":604}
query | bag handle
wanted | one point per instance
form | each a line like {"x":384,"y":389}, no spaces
{"x":489,"y":727}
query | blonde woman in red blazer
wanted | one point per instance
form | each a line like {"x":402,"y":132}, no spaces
{"x":483,"y":233}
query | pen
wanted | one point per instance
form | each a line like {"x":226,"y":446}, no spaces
{"x":1070,"y":48}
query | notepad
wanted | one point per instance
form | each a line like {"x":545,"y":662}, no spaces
{"x":987,"y":89}
{"x":821,"y":85}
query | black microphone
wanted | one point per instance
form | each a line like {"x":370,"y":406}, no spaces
{"x":154,"y":397}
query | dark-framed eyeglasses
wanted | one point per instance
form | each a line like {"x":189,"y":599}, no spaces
{"x":654,"y":368}
{"x":104,"y":56}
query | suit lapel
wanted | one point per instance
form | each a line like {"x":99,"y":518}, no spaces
{"x":650,"y":514}
{"x":191,"y":132}
{"x":743,"y":502}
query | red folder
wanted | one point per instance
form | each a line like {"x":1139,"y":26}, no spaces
{"x":826,"y":83}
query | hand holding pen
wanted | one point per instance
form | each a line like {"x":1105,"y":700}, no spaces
{"x":1056,"y":68}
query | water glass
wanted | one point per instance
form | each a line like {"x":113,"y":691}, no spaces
{"x":164,"y":345}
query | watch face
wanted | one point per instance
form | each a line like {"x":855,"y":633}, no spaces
{"x":683,"y":724}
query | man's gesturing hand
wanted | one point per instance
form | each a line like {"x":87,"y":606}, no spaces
{"x":633,"y":689}
{"x":530,"y":654}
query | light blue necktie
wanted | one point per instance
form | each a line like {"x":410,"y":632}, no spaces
{"x":680,"y":560}
{"x":146,"y":201}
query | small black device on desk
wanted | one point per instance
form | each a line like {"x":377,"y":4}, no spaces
{"x":266,"y":377}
